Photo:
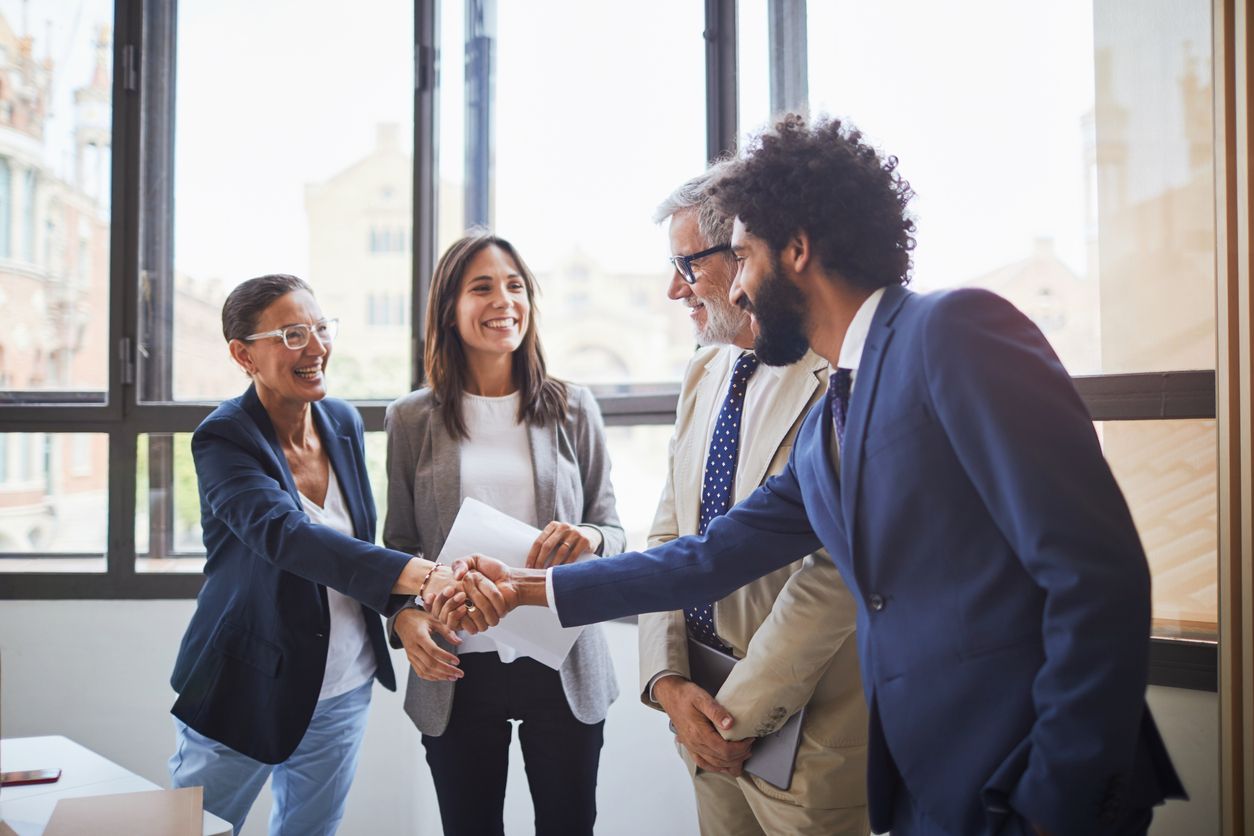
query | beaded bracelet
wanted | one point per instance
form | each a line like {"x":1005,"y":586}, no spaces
{"x":422,"y":588}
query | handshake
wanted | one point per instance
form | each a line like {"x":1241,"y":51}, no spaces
{"x":476,"y":592}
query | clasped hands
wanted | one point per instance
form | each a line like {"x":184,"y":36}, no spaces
{"x":698,"y":718}
{"x":475,"y":593}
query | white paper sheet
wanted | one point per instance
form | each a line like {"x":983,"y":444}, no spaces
{"x":535,"y":631}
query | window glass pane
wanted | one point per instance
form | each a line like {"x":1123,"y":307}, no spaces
{"x":319,"y":187}
{"x":576,"y":172}
{"x":1076,"y":179}
{"x":53,"y":497}
{"x":167,"y":505}
{"x":167,"y":501}
{"x":753,"y":74}
{"x":377,"y":470}
{"x":1167,"y":472}
{"x":638,"y":455}
{"x":55,"y":152}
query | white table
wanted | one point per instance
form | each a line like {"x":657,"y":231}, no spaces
{"x":27,"y":808}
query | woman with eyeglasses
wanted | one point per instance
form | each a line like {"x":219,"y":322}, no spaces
{"x":492,"y":425}
{"x":275,"y":670}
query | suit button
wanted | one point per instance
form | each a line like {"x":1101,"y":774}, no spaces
{"x":876,"y":602}
{"x":320,"y":635}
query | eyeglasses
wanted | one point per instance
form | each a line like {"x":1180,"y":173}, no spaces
{"x":296,"y":336}
{"x":683,"y":263}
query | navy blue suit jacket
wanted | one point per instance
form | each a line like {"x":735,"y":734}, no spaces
{"x":250,"y":666}
{"x":1004,"y":607}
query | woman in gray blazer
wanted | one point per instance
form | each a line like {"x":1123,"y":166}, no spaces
{"x":492,"y":425}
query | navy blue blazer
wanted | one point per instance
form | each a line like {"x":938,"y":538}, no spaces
{"x":1004,"y":607}
{"x":251,"y":663}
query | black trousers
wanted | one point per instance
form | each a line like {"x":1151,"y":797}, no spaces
{"x":470,"y":761}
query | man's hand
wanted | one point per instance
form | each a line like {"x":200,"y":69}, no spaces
{"x":697,"y":717}
{"x":417,"y":631}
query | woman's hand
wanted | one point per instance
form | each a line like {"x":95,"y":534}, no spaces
{"x":560,"y":543}
{"x":417,"y":631}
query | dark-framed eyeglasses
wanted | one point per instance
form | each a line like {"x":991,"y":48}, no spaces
{"x":296,"y":336}
{"x":683,"y":263}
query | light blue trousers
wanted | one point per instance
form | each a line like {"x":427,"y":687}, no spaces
{"x":309,"y":788}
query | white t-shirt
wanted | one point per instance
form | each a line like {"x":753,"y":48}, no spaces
{"x":350,"y":661}
{"x":496,"y":469}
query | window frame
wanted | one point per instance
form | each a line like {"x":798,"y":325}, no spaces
{"x":140,"y":264}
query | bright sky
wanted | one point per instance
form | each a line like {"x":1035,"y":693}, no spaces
{"x":982,"y":102}
{"x":983,"y":107}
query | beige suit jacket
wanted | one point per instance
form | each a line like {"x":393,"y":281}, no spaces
{"x":792,"y":629}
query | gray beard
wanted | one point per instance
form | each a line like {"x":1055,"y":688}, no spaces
{"x":723,"y":323}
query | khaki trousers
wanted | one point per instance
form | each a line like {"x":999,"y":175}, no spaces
{"x":729,"y":806}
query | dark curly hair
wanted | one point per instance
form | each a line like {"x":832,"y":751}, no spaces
{"x":824,"y":179}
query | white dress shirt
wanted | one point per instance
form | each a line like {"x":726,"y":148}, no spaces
{"x":855,"y":337}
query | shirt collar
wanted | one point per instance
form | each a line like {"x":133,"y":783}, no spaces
{"x":859,"y":328}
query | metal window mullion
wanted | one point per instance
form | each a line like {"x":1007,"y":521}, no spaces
{"x":153,"y":281}
{"x":54,"y":586}
{"x":481,"y":31}
{"x":427,"y":66}
{"x":120,"y":542}
{"x":124,"y":260}
{"x":57,"y":419}
{"x":124,"y":198}
{"x":721,"y":108}
{"x":1149,"y":396}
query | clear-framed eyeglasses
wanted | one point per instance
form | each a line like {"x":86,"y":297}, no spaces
{"x":296,"y":336}
{"x":683,"y":263}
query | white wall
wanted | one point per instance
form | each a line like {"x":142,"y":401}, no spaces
{"x":97,"y":672}
{"x":1189,"y":722}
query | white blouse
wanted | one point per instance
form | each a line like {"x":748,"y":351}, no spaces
{"x":350,"y":660}
{"x":496,"y":469}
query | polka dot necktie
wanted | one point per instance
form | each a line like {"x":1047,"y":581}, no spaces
{"x":839,"y":387}
{"x":720,"y":484}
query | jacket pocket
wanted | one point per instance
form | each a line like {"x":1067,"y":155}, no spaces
{"x":240,"y":644}
{"x":1001,"y":784}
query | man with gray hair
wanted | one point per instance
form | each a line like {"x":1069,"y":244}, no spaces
{"x":792,"y":631}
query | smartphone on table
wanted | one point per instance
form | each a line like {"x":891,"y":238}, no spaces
{"x":29,"y":776}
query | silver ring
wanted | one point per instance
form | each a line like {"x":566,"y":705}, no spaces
{"x":471,"y":607}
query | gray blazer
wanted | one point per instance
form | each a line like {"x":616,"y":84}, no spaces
{"x":572,"y":471}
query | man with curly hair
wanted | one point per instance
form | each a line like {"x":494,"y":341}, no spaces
{"x":954,"y":476}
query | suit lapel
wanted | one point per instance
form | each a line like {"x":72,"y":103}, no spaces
{"x":544,"y":463}
{"x":257,"y":411}
{"x":771,"y":422}
{"x":445,"y":472}
{"x":339,"y":449}
{"x":863,"y":398}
